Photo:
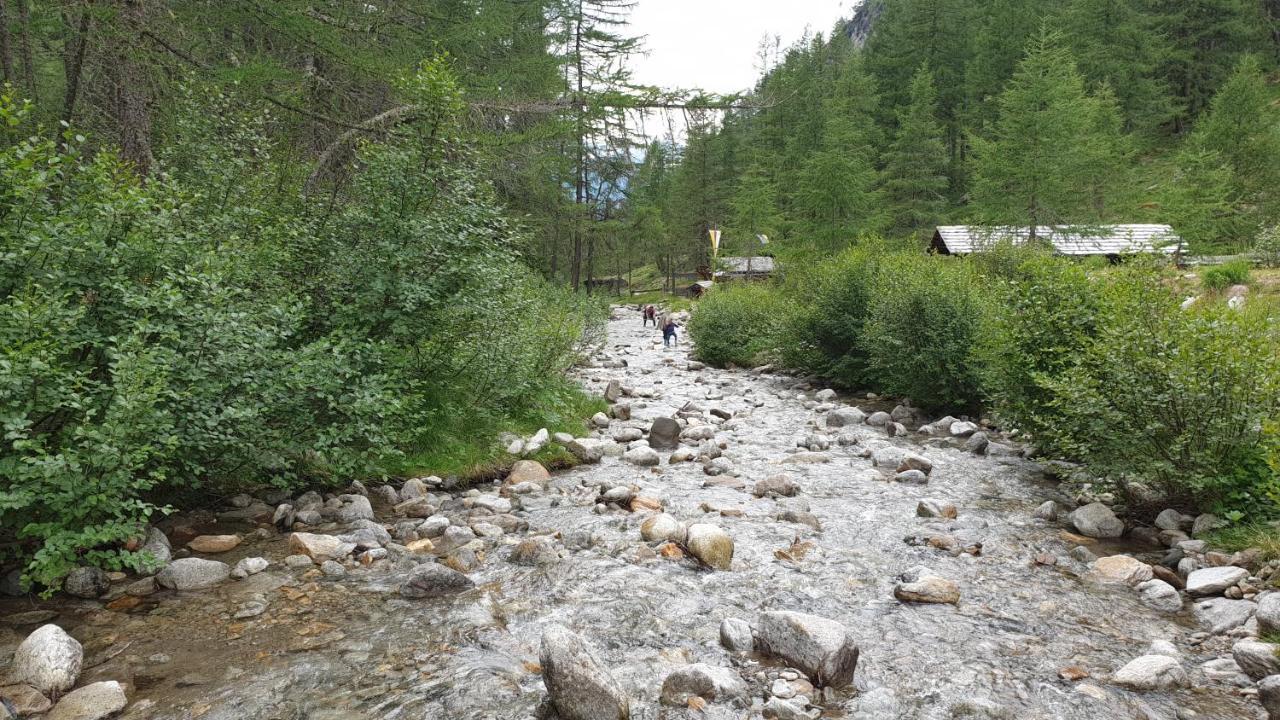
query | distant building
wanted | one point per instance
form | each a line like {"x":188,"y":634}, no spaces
{"x":1110,"y":241}
{"x":745,"y":268}
{"x":698,"y":289}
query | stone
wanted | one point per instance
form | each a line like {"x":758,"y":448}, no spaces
{"x":912,"y":461}
{"x":1048,"y":510}
{"x":1257,"y":659}
{"x":49,"y":660}
{"x":587,"y":450}
{"x":419,"y":507}
{"x":298,"y":561}
{"x":193,"y":574}
{"x":1170,"y":519}
{"x":90,"y":583}
{"x":540,"y":550}
{"x":931,"y":508}
{"x":779,"y":485}
{"x":91,"y":702}
{"x":1214,"y":580}
{"x":711,"y":545}
{"x":433,"y":526}
{"x":433,"y":580}
{"x":962,"y":429}
{"x":823,"y":649}
{"x":879,"y":419}
{"x":928,"y":589}
{"x":11,"y":583}
{"x":1269,"y":695}
{"x":249,"y":566}
{"x":24,"y":700}
{"x":800,"y":517}
{"x":536,"y":442}
{"x":781,"y":709}
{"x":977,"y":443}
{"x":157,"y":546}
{"x":1163,"y":573}
{"x":320,"y":547}
{"x":1219,"y":615}
{"x":613,"y":391}
{"x":213,"y":544}
{"x":492,"y":503}
{"x":523,"y":471}
{"x":1269,"y":612}
{"x":578,"y":685}
{"x":712,"y":684}
{"x":1205,"y":523}
{"x":283,"y":517}
{"x":1096,"y":520}
{"x":1160,"y":595}
{"x":845,"y":416}
{"x":1120,"y":569}
{"x":333,"y":568}
{"x":662,"y":528}
{"x":643,"y":456}
{"x":352,"y":508}
{"x":1151,"y":672}
{"x":664,"y":434}
{"x":912,"y":477}
{"x":736,"y":636}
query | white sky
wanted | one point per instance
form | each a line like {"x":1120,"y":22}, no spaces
{"x":714,"y":44}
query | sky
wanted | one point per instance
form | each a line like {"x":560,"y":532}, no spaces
{"x":714,"y":44}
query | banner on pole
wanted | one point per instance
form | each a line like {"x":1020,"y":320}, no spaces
{"x":715,"y":241}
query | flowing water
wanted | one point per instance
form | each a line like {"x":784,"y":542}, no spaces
{"x":353,"y":648}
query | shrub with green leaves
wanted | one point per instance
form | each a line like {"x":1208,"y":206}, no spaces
{"x":739,"y":324}
{"x":1221,"y":277}
{"x":1266,"y":249}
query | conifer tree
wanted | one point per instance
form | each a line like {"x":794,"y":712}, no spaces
{"x":915,"y":180}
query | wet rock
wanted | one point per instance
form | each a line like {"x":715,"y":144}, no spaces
{"x":912,"y":461}
{"x":24,"y":700}
{"x":1256,"y":659}
{"x":1213,"y":581}
{"x":536,"y":442}
{"x":193,"y":574}
{"x":1163,"y":573}
{"x":698,"y":433}
{"x":213,"y":544}
{"x":823,"y":649}
{"x":1151,"y":672}
{"x":249,"y":566}
{"x":1205,"y":523}
{"x":86,"y":582}
{"x":433,"y":580}
{"x":736,"y":636}
{"x":800,"y":517}
{"x":662,"y":528}
{"x":320,"y":547}
{"x":642,"y":456}
{"x":841,"y":417}
{"x":422,"y":546}
{"x":879,"y":419}
{"x":711,"y":545}
{"x":962,"y":429}
{"x":1269,"y":612}
{"x":91,"y":702}
{"x":620,"y":495}
{"x":664,"y":434}
{"x":626,"y":435}
{"x":807,"y":458}
{"x":413,"y":488}
{"x":780,"y":709}
{"x":578,"y":685}
{"x":157,"y":546}
{"x":1171,"y":519}
{"x":931,"y":508}
{"x":1219,"y":615}
{"x":613,"y":391}
{"x":779,"y":485}
{"x":1159,"y":595}
{"x":1120,"y":569}
{"x":48,"y":660}
{"x":928,"y":589}
{"x":333,"y":568}
{"x":912,"y":477}
{"x":353,"y":507}
{"x":1048,"y":510}
{"x":433,"y":526}
{"x":1269,"y":695}
{"x":888,"y":457}
{"x":283,"y":517}
{"x":1096,"y":520}
{"x":298,"y":561}
{"x":977,"y":443}
{"x":540,"y":550}
{"x":713,"y":684}
{"x":308,"y":517}
{"x":11,"y":584}
{"x":492,"y":503}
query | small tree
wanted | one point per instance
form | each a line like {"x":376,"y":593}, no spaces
{"x":915,"y":180}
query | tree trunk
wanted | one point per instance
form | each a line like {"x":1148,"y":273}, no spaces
{"x":24,"y":43}
{"x":132,"y":109}
{"x":6,"y":44}
{"x":73,"y":68}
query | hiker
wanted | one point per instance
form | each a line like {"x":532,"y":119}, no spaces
{"x":650,"y":315}
{"x":669,"y":333}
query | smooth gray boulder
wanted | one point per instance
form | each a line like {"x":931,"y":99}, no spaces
{"x":91,"y":702}
{"x":89,"y":583}
{"x":433,"y":580}
{"x":664,"y":434}
{"x":1257,"y":659}
{"x":845,"y":416}
{"x":1269,"y":695}
{"x":193,"y":574}
{"x":713,"y":684}
{"x":735,"y":635}
{"x":1214,"y":580}
{"x":578,"y":685}
{"x":157,"y":547}
{"x":1151,"y":672}
{"x":821,"y":648}
{"x":1219,"y":615}
{"x":49,"y":660}
{"x":354,"y":507}
{"x":1269,"y":612}
{"x":1160,"y":595}
{"x":1097,"y":521}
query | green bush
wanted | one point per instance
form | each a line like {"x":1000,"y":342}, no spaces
{"x":926,"y":316}
{"x":1176,"y":400}
{"x":739,"y":324}
{"x":1266,"y":249}
{"x":1221,"y":277}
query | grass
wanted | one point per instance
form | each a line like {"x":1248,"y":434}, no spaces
{"x":1263,"y":536}
{"x":467,"y":446}
{"x":675,"y":303}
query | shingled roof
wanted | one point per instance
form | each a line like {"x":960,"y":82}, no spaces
{"x":759,"y":265}
{"x":1066,"y":240}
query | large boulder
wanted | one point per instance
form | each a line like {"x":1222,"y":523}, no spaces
{"x":845,"y":416}
{"x":779,"y":485}
{"x":353,"y":507}
{"x":736,"y":636}
{"x":711,"y":545}
{"x":713,"y":684}
{"x":578,"y":685}
{"x":91,"y":702}
{"x":1121,"y":569}
{"x":433,"y":580}
{"x":1214,"y":580}
{"x":1269,"y":612}
{"x":1269,"y":695}
{"x":823,"y":649}
{"x":90,"y":583}
{"x":528,"y":471}
{"x":49,"y":660}
{"x":664,"y":434}
{"x":1257,"y":659}
{"x":1152,"y":672}
{"x":587,"y":450}
{"x":1096,"y":520}
{"x":1160,"y":595}
{"x":662,"y":527}
{"x":320,"y":547}
{"x":193,"y":574}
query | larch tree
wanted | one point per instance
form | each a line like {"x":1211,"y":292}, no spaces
{"x":914,"y":181}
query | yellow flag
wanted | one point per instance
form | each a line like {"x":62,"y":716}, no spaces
{"x":715,"y":241}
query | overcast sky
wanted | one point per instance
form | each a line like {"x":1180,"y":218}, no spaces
{"x":714,"y":44}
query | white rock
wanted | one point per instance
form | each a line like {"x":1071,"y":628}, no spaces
{"x":821,"y":648}
{"x":91,"y":702}
{"x":578,"y":684}
{"x":1152,"y":672}
{"x":1214,"y":580}
{"x":249,"y":566}
{"x":1160,"y":595}
{"x":49,"y":660}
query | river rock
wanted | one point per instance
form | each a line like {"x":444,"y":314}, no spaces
{"x":1096,"y":520}
{"x":931,"y":508}
{"x":800,"y":517}
{"x":86,"y":582}
{"x":91,"y":702}
{"x":736,"y":636}
{"x":320,"y":547}
{"x":841,"y":417}
{"x":193,"y":574}
{"x":1205,"y":523}
{"x":912,"y":477}
{"x":779,"y":485}
{"x":353,"y":507}
{"x":1269,"y":695}
{"x":710,"y":544}
{"x":433,"y":580}
{"x":1160,"y":595}
{"x":962,"y":429}
{"x":413,"y":488}
{"x":642,"y":456}
{"x":1269,"y":612}
{"x":1257,"y":659}
{"x":928,"y":589}
{"x":578,"y":685}
{"x":24,"y":700}
{"x":977,"y":443}
{"x":1152,"y":672}
{"x":492,"y":503}
{"x":213,"y":544}
{"x":157,"y":545}
{"x":713,"y":684}
{"x":879,"y":419}
{"x":249,"y":566}
{"x":823,"y":649}
{"x":912,"y":461}
{"x":1219,"y":615}
{"x":539,"y":550}
{"x":627,"y":434}
{"x":662,"y":528}
{"x":664,"y":434}
{"x":49,"y":660}
{"x":1048,"y":510}
{"x":1120,"y":569}
{"x":1214,"y":580}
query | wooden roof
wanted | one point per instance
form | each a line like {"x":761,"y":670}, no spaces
{"x":1067,"y":240}
{"x":761,"y":264}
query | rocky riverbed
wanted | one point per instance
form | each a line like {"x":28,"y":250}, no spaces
{"x":738,"y":544}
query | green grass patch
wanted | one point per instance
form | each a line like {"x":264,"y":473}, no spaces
{"x":675,"y":303}
{"x":1263,"y":536}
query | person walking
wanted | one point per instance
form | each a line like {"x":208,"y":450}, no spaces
{"x":669,"y":333}
{"x":650,"y":316}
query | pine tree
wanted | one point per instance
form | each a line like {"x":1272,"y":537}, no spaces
{"x":1053,"y":146}
{"x":755,"y":207}
{"x":915,"y":180}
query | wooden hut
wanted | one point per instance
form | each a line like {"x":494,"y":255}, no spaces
{"x":1112,"y":241}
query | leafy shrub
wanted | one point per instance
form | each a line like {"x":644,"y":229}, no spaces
{"x":1221,"y":277}
{"x":738,"y":324}
{"x":1266,"y":249}
{"x":925,"y":319}
{"x":1176,"y":400}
